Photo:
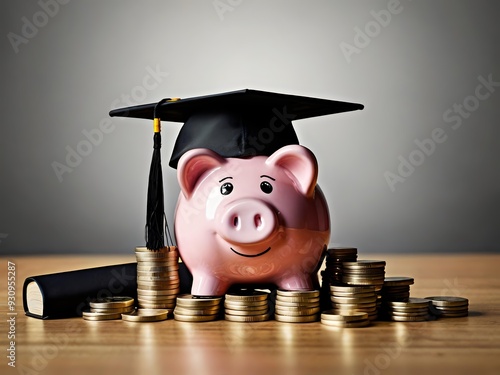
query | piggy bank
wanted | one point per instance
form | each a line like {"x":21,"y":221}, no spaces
{"x":251,"y":220}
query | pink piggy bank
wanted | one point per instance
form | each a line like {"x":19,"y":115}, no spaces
{"x":251,"y":220}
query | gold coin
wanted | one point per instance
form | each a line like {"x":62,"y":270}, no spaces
{"x":246,"y":308}
{"x":297,"y":312}
{"x":170,"y":299}
{"x":298,"y":293}
{"x":166,"y":249}
{"x":251,"y":296}
{"x":409,"y":318}
{"x":157,"y":306}
{"x":354,"y":295}
{"x":248,"y":319}
{"x":89,"y":315}
{"x":412,"y":302}
{"x":353,"y":299}
{"x":112,"y":310}
{"x":344,"y":317}
{"x":156,"y":271}
{"x":146,"y":315}
{"x":361,"y":304}
{"x":246,"y":312}
{"x":163,"y":263}
{"x":364,"y":264}
{"x":296,"y":299}
{"x":296,"y":304}
{"x":111,"y":302}
{"x":195,"y":318}
{"x":448,"y":301}
{"x":205,"y":311}
{"x":344,"y":324}
{"x":163,"y":291}
{"x":352,"y":289}
{"x":188,"y":300}
{"x":296,"y":319}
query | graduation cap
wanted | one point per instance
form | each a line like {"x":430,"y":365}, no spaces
{"x":240,"y":123}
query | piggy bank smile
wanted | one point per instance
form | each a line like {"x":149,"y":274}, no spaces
{"x":250,"y":255}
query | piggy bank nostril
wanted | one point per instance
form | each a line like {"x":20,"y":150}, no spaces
{"x":258,"y":221}
{"x":236,"y":222}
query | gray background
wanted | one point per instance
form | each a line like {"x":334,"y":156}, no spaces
{"x":89,"y":54}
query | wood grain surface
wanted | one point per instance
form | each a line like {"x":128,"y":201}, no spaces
{"x":469,"y":345}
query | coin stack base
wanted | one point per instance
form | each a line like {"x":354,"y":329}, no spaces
{"x":146,"y":315}
{"x":348,"y":299}
{"x":449,"y":307}
{"x":413,"y":310}
{"x":247,"y":306}
{"x":297,"y":306}
{"x":353,"y":319}
{"x":109,"y":308}
{"x":157,"y":277}
{"x":197,"y":309}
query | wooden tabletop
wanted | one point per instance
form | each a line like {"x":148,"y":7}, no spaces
{"x":469,"y":345}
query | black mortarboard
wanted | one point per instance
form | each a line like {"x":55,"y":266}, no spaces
{"x":238,"y":123}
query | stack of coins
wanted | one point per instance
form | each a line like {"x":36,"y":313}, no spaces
{"x":157,"y":277}
{"x":332,"y":274}
{"x":449,"y":307}
{"x":413,"y":310}
{"x":247,"y":306}
{"x":335,"y":256}
{"x":146,"y":315}
{"x":109,"y":308}
{"x":396,"y":288}
{"x":353,"y":319}
{"x":297,"y":306}
{"x":348,"y":299}
{"x":197,"y":309}
{"x":364,"y":272}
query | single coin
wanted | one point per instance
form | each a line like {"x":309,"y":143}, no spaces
{"x":337,"y":299}
{"x":157,"y":306}
{"x":448,"y":301}
{"x":163,"y":291}
{"x":247,"y":319}
{"x":343,"y":324}
{"x":454,"y":314}
{"x":163,"y":263}
{"x":195,"y":318}
{"x":156,"y":288}
{"x":250,"y":296}
{"x":355,"y":305}
{"x":402,"y":313}
{"x":364,"y":264}
{"x":345,"y":317}
{"x":354,"y":295}
{"x":298,"y":293}
{"x":398,"y":281}
{"x":89,"y":315}
{"x":162,"y":299}
{"x":146,"y":315}
{"x":452,"y":308}
{"x":189,"y":300}
{"x":247,"y":312}
{"x":205,"y":311}
{"x":238,"y":305}
{"x":409,"y":318}
{"x":297,"y":312}
{"x":166,"y":249}
{"x":112,"y":310}
{"x":157,"y":269}
{"x":296,"y":299}
{"x":112,"y":302}
{"x":166,"y":273}
{"x":296,"y":319}
{"x":296,"y":304}
{"x":352,"y":289}
{"x":412,"y":302}
{"x":245,"y":308}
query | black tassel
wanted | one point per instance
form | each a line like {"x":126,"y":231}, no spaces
{"x":155,"y":216}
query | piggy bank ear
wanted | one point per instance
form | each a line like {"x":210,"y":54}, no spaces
{"x":300,"y":164}
{"x":193,"y":164}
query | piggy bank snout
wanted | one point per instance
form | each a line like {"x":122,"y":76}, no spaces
{"x":247,"y":221}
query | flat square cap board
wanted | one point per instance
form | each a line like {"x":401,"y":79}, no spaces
{"x":239,"y":123}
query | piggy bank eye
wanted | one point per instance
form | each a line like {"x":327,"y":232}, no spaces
{"x":266,"y":187}
{"x":226,"y":188}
